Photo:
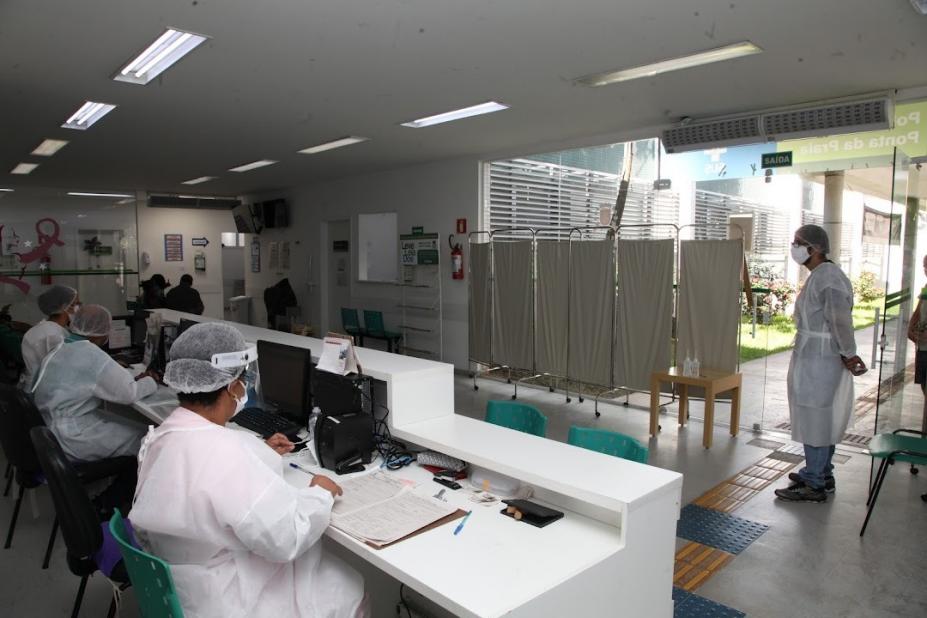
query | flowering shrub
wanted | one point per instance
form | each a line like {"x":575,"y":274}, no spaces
{"x":865,"y":289}
{"x":781,"y":292}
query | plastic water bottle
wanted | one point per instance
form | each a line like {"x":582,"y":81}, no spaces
{"x":695,"y":367}
{"x":687,"y":366}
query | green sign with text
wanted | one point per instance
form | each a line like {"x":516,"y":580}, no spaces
{"x":777,"y":159}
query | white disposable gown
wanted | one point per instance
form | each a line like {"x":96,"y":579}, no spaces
{"x":820,"y":388}
{"x":37,"y":343}
{"x":240,"y":540}
{"x":71,"y":386}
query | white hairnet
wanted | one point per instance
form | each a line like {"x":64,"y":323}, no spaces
{"x":815,"y":236}
{"x":91,"y":321}
{"x":190,"y":369}
{"x":56,"y":299}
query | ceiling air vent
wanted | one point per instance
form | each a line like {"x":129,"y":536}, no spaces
{"x":850,"y":117}
{"x":704,"y":135}
{"x":192,"y":201}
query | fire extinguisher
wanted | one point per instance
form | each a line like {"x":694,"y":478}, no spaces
{"x":45,"y":267}
{"x":457,"y":268}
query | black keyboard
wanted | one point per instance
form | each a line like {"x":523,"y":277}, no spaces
{"x":265,"y":423}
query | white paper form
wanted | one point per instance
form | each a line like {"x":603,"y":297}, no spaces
{"x":380,"y":509}
{"x":363,"y":491}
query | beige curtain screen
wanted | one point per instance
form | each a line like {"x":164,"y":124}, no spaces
{"x":644,"y":320}
{"x":513,"y":304}
{"x":553,"y":289}
{"x":480,"y":303}
{"x":592,"y":309}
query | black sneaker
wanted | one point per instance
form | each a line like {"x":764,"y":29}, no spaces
{"x":803,"y":493}
{"x":830,"y":484}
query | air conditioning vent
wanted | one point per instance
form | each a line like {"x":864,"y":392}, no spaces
{"x":191,"y":201}
{"x":864,"y":113}
{"x":870,"y":115}
{"x":744,"y":130}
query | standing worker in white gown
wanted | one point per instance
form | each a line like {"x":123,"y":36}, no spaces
{"x":212,"y":501}
{"x":824,"y":361}
{"x":75,"y":380}
{"x":59,"y":302}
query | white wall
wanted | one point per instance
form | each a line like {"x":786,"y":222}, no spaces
{"x":431,"y":195}
{"x":154,"y":223}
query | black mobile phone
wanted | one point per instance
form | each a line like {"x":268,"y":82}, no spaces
{"x":446,"y":482}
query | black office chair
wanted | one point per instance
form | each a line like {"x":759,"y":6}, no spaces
{"x":17,"y":416}
{"x":77,"y":516}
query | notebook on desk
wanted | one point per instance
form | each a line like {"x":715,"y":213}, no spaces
{"x":380,"y":510}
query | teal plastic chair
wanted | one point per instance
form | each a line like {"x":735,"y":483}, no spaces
{"x":608,"y":442}
{"x":150,"y":576}
{"x":892,"y":447}
{"x":376,"y":329}
{"x":518,"y":416}
{"x":351,"y":324}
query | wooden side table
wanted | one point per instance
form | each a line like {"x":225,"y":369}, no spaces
{"x":713,"y":381}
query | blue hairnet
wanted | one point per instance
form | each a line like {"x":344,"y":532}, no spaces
{"x":190,"y":369}
{"x":91,"y":321}
{"x":815,"y":236}
{"x":56,"y":299}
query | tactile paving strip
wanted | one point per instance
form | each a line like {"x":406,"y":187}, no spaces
{"x":695,"y":563}
{"x":840,"y":458}
{"x":770,"y":444}
{"x":719,"y":530}
{"x":689,"y":605}
{"x":792,"y":458}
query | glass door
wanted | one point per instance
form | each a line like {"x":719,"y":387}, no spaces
{"x":896,"y":355}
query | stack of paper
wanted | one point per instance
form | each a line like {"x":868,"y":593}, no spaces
{"x":380,"y":510}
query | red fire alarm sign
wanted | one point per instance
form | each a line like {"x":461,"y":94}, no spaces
{"x":461,"y":226}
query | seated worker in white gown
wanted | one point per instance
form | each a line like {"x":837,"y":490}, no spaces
{"x":75,"y":380}
{"x":58,"y":303}
{"x":213,"y":503}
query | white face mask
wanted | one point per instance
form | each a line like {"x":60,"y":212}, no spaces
{"x":239,"y":403}
{"x":800,"y":254}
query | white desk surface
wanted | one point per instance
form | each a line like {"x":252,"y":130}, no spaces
{"x":375,"y":363}
{"x":495,"y":564}
{"x":598,"y":479}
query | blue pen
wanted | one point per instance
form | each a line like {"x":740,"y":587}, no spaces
{"x":301,"y":469}
{"x":461,"y":524}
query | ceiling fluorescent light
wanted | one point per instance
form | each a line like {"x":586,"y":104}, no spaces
{"x":457,"y":114}
{"x":88,"y":114}
{"x":49,"y":147}
{"x":83,"y":194}
{"x":196,"y":181}
{"x":167,"y":49}
{"x":719,"y":54}
{"x":24,"y":168}
{"x":2,"y":190}
{"x":247,"y":167}
{"x":338,"y":143}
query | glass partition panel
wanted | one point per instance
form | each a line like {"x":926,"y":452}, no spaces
{"x":48,"y":237}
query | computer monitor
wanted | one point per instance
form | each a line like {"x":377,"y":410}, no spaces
{"x":285,"y":373}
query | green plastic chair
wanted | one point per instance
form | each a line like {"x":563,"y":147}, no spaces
{"x":892,"y":447}
{"x":351,"y":324}
{"x":518,"y":416}
{"x":150,"y":576}
{"x":376,"y":329}
{"x":608,"y":442}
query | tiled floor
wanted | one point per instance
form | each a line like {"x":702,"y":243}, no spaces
{"x":810,"y":562}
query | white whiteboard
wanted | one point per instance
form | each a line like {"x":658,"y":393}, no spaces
{"x":378,"y":247}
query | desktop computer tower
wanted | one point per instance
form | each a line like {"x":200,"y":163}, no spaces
{"x":343,"y":441}
{"x":336,"y":394}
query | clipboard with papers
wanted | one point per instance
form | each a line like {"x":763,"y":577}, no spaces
{"x":380,"y":510}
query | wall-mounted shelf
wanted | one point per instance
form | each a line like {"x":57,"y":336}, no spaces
{"x":67,"y":273}
{"x":421,"y":296}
